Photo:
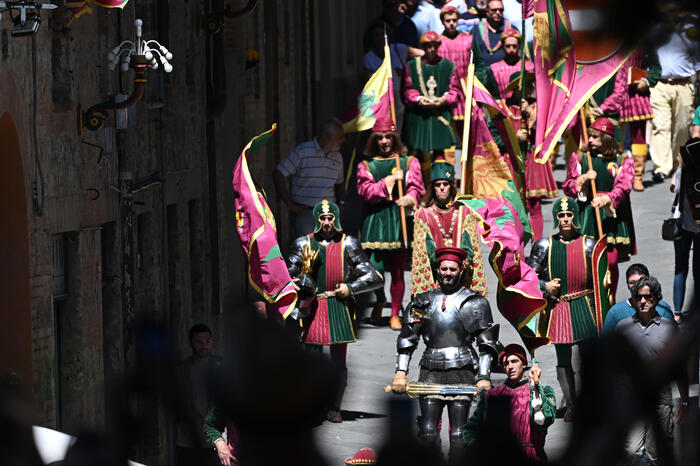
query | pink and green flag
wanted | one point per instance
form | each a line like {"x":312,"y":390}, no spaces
{"x":80,"y":7}
{"x":505,"y":227}
{"x":257,"y":231}
{"x":564,"y":83}
{"x":374,"y":101}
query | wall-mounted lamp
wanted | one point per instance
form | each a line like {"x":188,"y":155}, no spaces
{"x":27,"y":22}
{"x":139,"y":56}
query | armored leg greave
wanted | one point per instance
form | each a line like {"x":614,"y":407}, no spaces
{"x":458,"y":412}
{"x":430,"y":414}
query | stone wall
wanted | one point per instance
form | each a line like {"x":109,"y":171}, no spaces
{"x":104,"y":217}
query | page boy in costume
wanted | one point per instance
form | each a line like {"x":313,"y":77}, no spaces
{"x":331,"y":267}
{"x":381,"y":235}
{"x":613,"y":173}
{"x":532,"y":405}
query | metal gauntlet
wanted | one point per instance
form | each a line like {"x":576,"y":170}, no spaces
{"x":485,"y":361}
{"x":402,"y":361}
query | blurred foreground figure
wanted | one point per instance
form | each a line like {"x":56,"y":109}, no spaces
{"x":194,"y":372}
{"x":274,"y":392}
{"x":533,"y":406}
{"x":450,"y":319}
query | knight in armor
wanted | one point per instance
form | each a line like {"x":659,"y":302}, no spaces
{"x":613,"y":173}
{"x":452,"y":320}
{"x":568,"y":265}
{"x":330,"y":269}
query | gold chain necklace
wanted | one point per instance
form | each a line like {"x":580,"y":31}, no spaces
{"x":447,"y":236}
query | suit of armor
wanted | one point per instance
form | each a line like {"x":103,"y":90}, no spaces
{"x":450,"y":325}
{"x":358,"y":273}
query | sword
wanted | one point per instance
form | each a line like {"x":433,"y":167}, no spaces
{"x":415,"y":389}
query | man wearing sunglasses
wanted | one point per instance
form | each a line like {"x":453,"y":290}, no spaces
{"x":626,"y":308}
{"x":651,"y":335}
{"x":567,"y":264}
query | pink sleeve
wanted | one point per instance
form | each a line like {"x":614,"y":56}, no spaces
{"x":614,"y":101}
{"x":455,"y":91}
{"x":529,"y":66}
{"x":623,"y":182}
{"x":370,"y":190}
{"x":410,"y":95}
{"x":572,"y":173}
{"x":414,"y":180}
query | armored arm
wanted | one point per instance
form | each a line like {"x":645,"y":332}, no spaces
{"x":477,"y":319}
{"x":294,"y":257}
{"x":362,"y":277}
{"x":538,"y":260}
{"x":411,"y":330}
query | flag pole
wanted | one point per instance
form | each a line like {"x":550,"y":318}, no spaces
{"x":598,"y":222}
{"x":468,"y":90}
{"x":392,"y":106}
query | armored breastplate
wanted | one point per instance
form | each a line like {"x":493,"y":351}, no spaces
{"x":446,"y":332}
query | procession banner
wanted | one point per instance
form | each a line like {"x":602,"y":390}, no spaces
{"x":79,"y":8}
{"x":374,"y":101}
{"x":257,"y":231}
{"x":505,"y":227}
{"x":564,"y":82}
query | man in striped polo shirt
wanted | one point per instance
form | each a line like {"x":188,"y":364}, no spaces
{"x":316,"y":171}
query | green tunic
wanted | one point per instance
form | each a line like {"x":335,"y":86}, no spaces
{"x":616,"y":227}
{"x":338,"y":324}
{"x":429,"y":129}
{"x":381,"y":227}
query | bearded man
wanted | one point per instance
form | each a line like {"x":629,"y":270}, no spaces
{"x":451,"y":319}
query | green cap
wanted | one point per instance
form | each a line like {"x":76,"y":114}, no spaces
{"x":442,"y":170}
{"x":325,"y":208}
{"x":565,"y":204}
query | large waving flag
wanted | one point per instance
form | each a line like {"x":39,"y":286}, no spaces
{"x":374,"y":101}
{"x":505,"y":227}
{"x":565,"y":82}
{"x":80,"y":7}
{"x":257,"y":231}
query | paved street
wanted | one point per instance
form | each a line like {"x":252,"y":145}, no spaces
{"x":371,"y":359}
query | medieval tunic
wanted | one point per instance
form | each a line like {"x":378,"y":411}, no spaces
{"x":381,"y":224}
{"x":458,"y":51}
{"x":502,"y":71}
{"x":528,"y":434}
{"x":489,"y":42}
{"x":435,"y":228}
{"x":625,"y":99}
{"x":614,"y":178}
{"x":331,"y":319}
{"x":428,"y":129}
{"x":571,"y":319}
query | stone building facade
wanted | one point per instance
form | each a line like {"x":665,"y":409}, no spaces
{"x":134,"y":222}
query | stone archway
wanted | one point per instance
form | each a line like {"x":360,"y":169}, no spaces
{"x":15,"y":313}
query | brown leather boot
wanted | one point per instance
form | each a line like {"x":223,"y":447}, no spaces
{"x":395,"y":323}
{"x":639,"y":162}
